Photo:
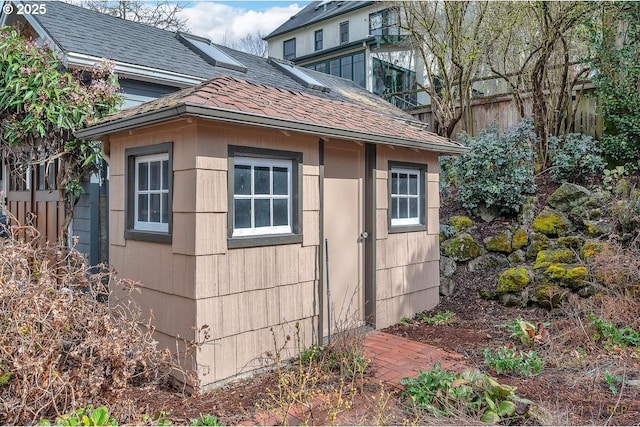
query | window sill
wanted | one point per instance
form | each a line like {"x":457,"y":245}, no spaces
{"x":264,"y":240}
{"x":406,"y":228}
{"x":148,"y":236}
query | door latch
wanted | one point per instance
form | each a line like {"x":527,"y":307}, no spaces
{"x":364,"y":235}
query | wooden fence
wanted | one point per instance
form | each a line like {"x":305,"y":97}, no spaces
{"x":501,"y":110}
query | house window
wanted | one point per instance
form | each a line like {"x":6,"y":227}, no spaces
{"x":384,"y":23}
{"x":344,"y":32}
{"x":348,"y":66}
{"x":289,"y":49}
{"x":318,"y":39}
{"x":264,"y":194}
{"x":148,"y":204}
{"x":407,"y":196}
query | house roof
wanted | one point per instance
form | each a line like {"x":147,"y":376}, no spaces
{"x":317,"y":11}
{"x":230,"y":99}
{"x":79,"y":30}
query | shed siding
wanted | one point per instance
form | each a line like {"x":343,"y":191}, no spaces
{"x":241,"y":294}
{"x":407,"y":264}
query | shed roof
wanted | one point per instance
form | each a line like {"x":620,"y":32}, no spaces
{"x":317,"y":11}
{"x":234,"y":100}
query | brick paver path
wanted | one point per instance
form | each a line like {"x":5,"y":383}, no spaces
{"x":393,"y":357}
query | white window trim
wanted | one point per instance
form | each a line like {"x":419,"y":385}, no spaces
{"x":412,"y":220}
{"x":261,"y":231}
{"x":162,"y":227}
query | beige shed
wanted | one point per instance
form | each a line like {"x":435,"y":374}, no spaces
{"x":226,"y":198}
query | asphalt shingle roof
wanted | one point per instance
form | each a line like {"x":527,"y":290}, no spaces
{"x":317,"y":11}
{"x":227,"y":93}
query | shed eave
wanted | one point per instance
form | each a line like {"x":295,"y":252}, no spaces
{"x":238,"y":117}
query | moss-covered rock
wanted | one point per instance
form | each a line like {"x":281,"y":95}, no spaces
{"x":537,"y":242}
{"x":590,"y":249}
{"x":462,"y":247}
{"x":548,"y":296}
{"x":574,"y":277}
{"x":571,"y":242}
{"x":514,"y":279}
{"x":552,"y":223}
{"x":520,"y":239}
{"x":511,"y":300}
{"x":501,"y":242}
{"x":568,"y":196}
{"x":553,"y":256}
{"x":597,"y":228}
{"x":460,"y":222}
{"x":516,"y":257}
{"x":487,"y":262}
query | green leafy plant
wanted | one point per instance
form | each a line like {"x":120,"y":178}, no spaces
{"x":615,"y":56}
{"x":613,"y":381}
{"x":86,"y":416}
{"x":526,"y":332}
{"x":575,"y":158}
{"x":612,"y":176}
{"x":206,"y":420}
{"x":497,"y":172}
{"x":611,"y":335}
{"x":442,"y":318}
{"x":445,"y":393}
{"x":508,"y":359}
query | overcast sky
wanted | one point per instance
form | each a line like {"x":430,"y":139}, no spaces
{"x":228,"y":21}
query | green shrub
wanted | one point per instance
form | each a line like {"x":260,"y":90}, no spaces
{"x":508,"y":359}
{"x":497,"y":172}
{"x":575,"y":158}
{"x":445,"y":393}
{"x":610,"y":334}
{"x":206,"y":420}
{"x":86,"y":416}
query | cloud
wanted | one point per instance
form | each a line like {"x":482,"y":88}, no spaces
{"x":224,"y":24}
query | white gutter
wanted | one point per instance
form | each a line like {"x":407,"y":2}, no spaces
{"x":137,"y":72}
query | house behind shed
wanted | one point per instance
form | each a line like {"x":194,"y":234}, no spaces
{"x":238,"y":204}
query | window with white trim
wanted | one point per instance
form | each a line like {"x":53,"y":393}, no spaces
{"x":262,"y":196}
{"x":406,"y":197}
{"x":151,"y":188}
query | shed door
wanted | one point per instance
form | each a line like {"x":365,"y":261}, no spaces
{"x":344,"y":175}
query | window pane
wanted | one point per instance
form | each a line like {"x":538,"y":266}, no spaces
{"x":404,"y":209}
{"x":394,"y":183}
{"x":154,"y":173}
{"x":402,"y":178}
{"x":345,"y":63}
{"x":261,"y":180}
{"x":322,"y":67}
{"x":334,"y":67}
{"x":413,"y":208}
{"x":413,"y":185}
{"x":394,"y":208}
{"x":165,"y":208}
{"x":242,"y":213}
{"x":280,"y":212}
{"x":280,"y":181}
{"x":154,"y":208}
{"x":263,"y":212}
{"x":143,"y":207}
{"x":143,"y":176}
{"x":358,"y":69}
{"x":165,"y":174}
{"x":242,"y":180}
